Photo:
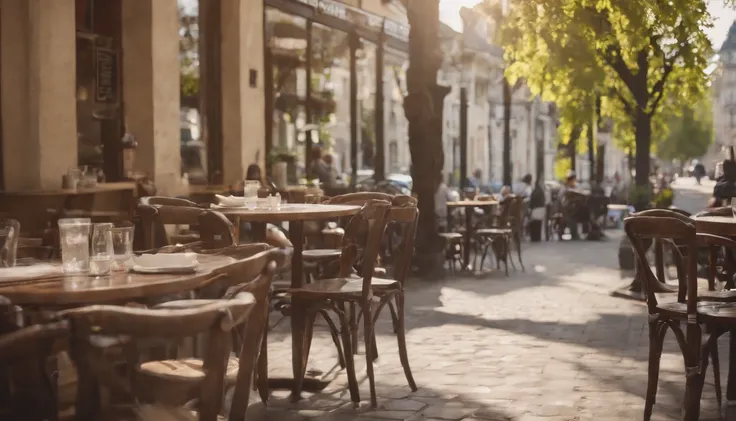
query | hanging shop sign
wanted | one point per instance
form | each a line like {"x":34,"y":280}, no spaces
{"x":360,"y":17}
{"x":106,"y":62}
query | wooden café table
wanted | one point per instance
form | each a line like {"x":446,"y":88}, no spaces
{"x":468,"y":206}
{"x":724,"y":226}
{"x":295,"y":214}
{"x":44,"y":286}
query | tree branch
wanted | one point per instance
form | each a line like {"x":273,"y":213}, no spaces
{"x":627,"y":105}
{"x":612,"y":56}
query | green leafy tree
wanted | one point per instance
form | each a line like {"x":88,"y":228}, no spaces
{"x":633,"y":53}
{"x":689,"y":135}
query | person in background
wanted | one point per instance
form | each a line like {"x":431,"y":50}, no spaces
{"x":441,"y":197}
{"x":528,"y":186}
{"x":317,"y":169}
{"x":329,"y":162}
{"x":571,"y":184}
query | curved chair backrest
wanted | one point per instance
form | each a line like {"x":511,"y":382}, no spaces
{"x":167,"y":201}
{"x":655,"y":227}
{"x":360,"y":198}
{"x":215,"y":230}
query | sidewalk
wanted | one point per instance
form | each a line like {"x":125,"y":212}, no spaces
{"x":548,"y":344}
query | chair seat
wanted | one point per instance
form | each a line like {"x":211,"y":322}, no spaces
{"x":708,"y":311}
{"x":320,"y":254}
{"x":493,"y":231}
{"x":450,"y":236}
{"x":342,"y":286}
{"x":185,"y":370}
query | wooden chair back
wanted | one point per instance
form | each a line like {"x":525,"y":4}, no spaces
{"x":167,"y":201}
{"x":217,"y":319}
{"x":360,"y":198}
{"x":24,"y":354}
{"x":215,"y":230}
{"x":362,"y":251}
{"x":402,"y":219}
{"x":721,"y":211}
{"x":660,"y":226}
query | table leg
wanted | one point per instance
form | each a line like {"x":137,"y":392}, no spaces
{"x":731,"y":382}
{"x":468,"y":234}
{"x":296,"y":235}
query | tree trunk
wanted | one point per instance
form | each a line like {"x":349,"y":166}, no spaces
{"x":601,"y":164}
{"x":591,"y":153}
{"x":423,"y":108}
{"x":643,"y":146}
{"x":507,"y":97}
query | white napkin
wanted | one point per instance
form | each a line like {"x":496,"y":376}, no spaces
{"x":230,"y":201}
{"x":22,"y":272}
{"x":164,"y":260}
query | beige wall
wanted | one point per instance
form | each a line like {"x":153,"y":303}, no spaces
{"x":243,"y":119}
{"x":151,"y":87}
{"x":38,"y":86}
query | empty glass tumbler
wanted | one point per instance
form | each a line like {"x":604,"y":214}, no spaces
{"x":100,"y":262}
{"x":122,"y":247}
{"x":74,"y":239}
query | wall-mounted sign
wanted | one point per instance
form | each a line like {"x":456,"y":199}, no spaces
{"x":106,"y":84}
{"x":360,"y":17}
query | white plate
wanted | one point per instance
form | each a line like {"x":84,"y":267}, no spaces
{"x":173,"y":270}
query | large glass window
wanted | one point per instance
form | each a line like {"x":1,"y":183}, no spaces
{"x":193,"y":148}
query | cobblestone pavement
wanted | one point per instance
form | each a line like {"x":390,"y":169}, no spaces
{"x":546,"y":344}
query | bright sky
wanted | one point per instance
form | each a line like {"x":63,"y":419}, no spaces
{"x":724,"y":17}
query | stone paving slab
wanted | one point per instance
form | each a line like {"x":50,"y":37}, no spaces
{"x":548,"y":344}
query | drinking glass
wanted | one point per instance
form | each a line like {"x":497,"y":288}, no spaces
{"x":9,"y":233}
{"x":122,"y":247}
{"x":100,"y":262}
{"x":250,"y":192}
{"x":74,"y":239}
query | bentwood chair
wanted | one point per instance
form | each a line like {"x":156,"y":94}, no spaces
{"x":217,"y":318}
{"x":496,"y":235}
{"x":643,"y":232}
{"x":215,"y":230}
{"x":335,"y":294}
{"x":403,"y":217}
{"x":23,"y":355}
{"x":253,"y":274}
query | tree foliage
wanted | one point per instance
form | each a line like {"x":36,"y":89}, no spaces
{"x":633,"y":53}
{"x":690,"y":132}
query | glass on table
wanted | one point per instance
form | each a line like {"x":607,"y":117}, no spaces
{"x":122,"y":247}
{"x":250,"y":192}
{"x":9,"y":234}
{"x":100,"y":261}
{"x":74,"y":241}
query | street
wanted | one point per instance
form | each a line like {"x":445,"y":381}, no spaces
{"x":548,"y":344}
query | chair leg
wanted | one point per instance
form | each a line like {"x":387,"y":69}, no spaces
{"x":368,"y":337}
{"x":335,"y":337}
{"x":346,"y":333}
{"x":262,"y":376}
{"x":717,"y":373}
{"x":656,"y":338}
{"x":352,"y":317}
{"x":401,"y":337}
{"x":518,"y":251}
{"x":394,"y":316}
{"x":303,"y":348}
{"x":507,"y":254}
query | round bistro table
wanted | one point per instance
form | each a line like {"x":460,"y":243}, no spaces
{"x":295,"y":214}
{"x":46,"y":286}
{"x":468,"y":206}
{"x":724,"y":226}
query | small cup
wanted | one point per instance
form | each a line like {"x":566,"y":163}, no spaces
{"x":122,"y":247}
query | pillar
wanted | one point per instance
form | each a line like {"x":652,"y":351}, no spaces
{"x":243,"y":93}
{"x":38,"y":78}
{"x":151,"y":87}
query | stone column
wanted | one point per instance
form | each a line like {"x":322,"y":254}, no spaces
{"x":243,"y":94}
{"x":39,"y":111}
{"x":151,"y":87}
